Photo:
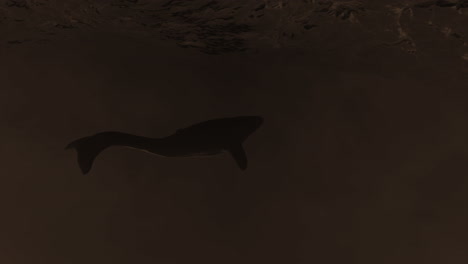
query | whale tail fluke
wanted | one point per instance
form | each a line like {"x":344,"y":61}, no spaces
{"x":87,"y":149}
{"x":238,"y":153}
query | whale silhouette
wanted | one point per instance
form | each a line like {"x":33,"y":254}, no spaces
{"x":206,"y":138}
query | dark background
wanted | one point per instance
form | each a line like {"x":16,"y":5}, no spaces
{"x":362,"y":157}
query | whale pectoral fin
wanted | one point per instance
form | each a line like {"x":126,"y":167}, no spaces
{"x":238,"y":153}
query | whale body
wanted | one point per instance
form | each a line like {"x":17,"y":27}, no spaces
{"x":211,"y":137}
